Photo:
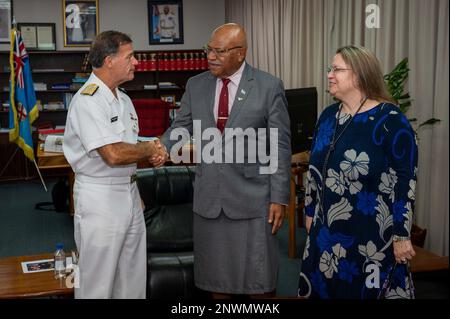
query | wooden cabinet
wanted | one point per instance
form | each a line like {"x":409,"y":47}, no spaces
{"x":58,"y":69}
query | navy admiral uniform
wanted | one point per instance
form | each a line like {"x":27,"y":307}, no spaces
{"x":109,"y":223}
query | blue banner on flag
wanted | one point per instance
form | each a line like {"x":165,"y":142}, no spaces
{"x":23,"y":110}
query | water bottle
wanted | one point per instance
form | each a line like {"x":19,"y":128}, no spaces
{"x":60,"y":261}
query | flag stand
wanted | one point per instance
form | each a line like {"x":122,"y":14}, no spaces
{"x":35,"y":164}
{"x":9,"y":161}
{"x":25,"y":111}
{"x":40,"y":176}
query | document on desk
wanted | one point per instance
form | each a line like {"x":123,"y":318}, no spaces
{"x":42,"y":265}
{"x":54,"y":143}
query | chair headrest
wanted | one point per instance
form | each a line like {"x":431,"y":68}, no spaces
{"x":168,"y":185}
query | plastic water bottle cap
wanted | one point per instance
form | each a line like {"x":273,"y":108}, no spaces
{"x":59,"y":246}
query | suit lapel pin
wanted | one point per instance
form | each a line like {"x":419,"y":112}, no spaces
{"x":242,"y":91}
{"x":240,"y":98}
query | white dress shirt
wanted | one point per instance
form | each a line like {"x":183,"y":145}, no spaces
{"x":235,"y":79}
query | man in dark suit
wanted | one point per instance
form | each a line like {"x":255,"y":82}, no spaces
{"x":239,"y":196}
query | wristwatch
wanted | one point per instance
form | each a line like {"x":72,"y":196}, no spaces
{"x":400,"y":238}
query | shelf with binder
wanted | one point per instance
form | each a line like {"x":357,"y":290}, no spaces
{"x":62,"y":67}
{"x":55,"y":117}
{"x":48,"y":91}
{"x":54,"y":67}
{"x":190,"y":60}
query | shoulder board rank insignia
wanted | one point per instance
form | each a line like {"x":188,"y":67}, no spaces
{"x":90,"y":89}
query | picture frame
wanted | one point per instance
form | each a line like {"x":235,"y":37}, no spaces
{"x":38,"y":36}
{"x":165,"y":21}
{"x":38,"y":266}
{"x":170,"y":98}
{"x":80,"y":22}
{"x":6,"y":13}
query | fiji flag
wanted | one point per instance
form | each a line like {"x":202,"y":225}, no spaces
{"x":22,"y":100}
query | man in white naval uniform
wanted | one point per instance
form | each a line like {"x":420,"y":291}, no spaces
{"x":167,"y":24}
{"x":100,"y":143}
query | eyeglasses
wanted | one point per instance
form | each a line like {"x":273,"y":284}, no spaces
{"x":219,"y":52}
{"x":335,"y":69}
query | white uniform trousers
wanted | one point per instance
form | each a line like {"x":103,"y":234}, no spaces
{"x":110,"y":235}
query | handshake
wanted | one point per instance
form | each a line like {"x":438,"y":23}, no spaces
{"x":159,"y":154}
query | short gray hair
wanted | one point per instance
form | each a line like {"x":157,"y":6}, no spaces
{"x":106,"y":43}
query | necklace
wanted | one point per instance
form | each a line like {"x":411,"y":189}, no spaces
{"x":333,"y":142}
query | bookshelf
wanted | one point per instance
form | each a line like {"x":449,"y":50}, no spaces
{"x":56,"y":71}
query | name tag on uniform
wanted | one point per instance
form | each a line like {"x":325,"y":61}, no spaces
{"x":114,"y":119}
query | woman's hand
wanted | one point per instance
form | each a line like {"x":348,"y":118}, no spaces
{"x":403,"y":251}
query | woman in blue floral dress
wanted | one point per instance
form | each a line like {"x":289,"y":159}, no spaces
{"x":360,"y":188}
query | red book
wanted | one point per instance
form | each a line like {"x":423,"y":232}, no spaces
{"x":51,"y":131}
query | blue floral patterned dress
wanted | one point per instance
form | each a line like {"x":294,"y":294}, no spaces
{"x":369,"y":193}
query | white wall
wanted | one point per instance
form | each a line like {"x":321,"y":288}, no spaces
{"x":200,"y":17}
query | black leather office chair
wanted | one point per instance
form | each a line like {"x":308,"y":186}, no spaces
{"x":167,"y":193}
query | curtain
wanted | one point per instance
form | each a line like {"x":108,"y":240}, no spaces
{"x":296,"y":40}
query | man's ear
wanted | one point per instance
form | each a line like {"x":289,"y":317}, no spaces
{"x":107,"y":61}
{"x":241,"y":54}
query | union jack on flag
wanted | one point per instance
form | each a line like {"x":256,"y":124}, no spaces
{"x":23,"y":110}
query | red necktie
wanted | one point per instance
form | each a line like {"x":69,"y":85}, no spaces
{"x":222,"y":115}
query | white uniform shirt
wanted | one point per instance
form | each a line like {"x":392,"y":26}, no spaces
{"x":95,"y":121}
{"x":167,"y":24}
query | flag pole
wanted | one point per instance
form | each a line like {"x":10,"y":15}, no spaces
{"x":14,"y":29}
{"x":39,"y":172}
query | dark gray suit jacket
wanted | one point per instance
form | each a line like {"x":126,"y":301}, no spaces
{"x":238,"y":188}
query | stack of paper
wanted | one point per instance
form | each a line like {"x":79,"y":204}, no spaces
{"x":54,"y":143}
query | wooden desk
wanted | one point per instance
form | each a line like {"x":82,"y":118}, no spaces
{"x":48,"y":160}
{"x":299,"y":163}
{"x":15,"y":284}
{"x":51,"y":160}
{"x":426,"y":261}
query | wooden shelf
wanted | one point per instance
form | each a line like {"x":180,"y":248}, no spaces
{"x":193,"y":71}
{"x":31,"y":52}
{"x":51,"y":71}
{"x":43,"y":111}
{"x":53,"y":67}
{"x":60,"y":71}
{"x":49,"y":91}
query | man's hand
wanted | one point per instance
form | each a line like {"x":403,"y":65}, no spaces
{"x":276,"y":215}
{"x":161,"y":157}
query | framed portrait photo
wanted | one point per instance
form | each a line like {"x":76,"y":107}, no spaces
{"x":5,"y":20}
{"x":165,"y":21}
{"x":80,"y":21}
{"x":38,"y":36}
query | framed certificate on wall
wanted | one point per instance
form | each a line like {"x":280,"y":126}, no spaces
{"x":5,"y":20}
{"x":38,"y":36}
